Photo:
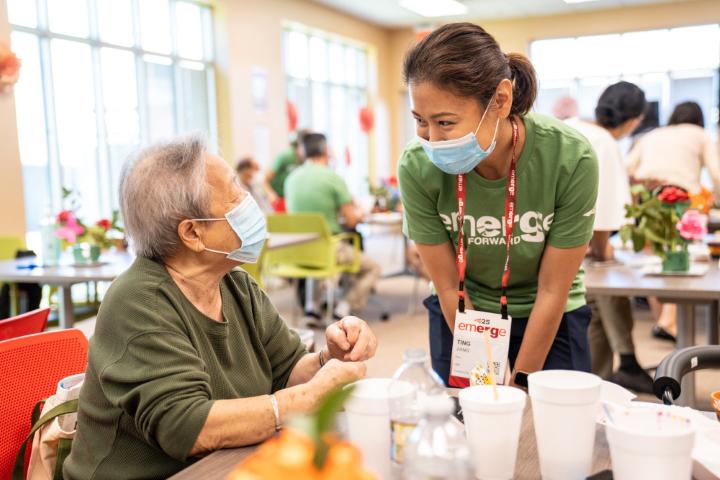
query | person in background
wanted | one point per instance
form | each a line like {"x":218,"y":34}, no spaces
{"x":251,"y":178}
{"x":618,"y":113}
{"x":315,"y":188}
{"x":565,"y":107}
{"x":284,"y":164}
{"x":189,"y":355}
{"x":675,"y":154}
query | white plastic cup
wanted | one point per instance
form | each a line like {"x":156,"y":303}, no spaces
{"x":651,"y":442}
{"x":565,"y":404}
{"x":368,"y":420}
{"x":493,"y":428}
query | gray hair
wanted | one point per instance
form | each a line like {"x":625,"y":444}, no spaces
{"x":161,"y":186}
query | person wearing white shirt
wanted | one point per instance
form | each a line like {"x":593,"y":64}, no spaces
{"x":619,"y":111}
{"x":677,"y":153}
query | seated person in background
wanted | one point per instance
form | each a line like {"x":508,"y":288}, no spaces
{"x":188,"y":354}
{"x":619,"y":111}
{"x":675,"y":155}
{"x":284,"y":164}
{"x":315,"y":188}
{"x":252,"y":180}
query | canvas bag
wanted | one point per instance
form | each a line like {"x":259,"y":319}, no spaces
{"x":53,"y":429}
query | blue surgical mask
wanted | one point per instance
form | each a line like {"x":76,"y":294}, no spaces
{"x":459,"y":155}
{"x":248,"y":223}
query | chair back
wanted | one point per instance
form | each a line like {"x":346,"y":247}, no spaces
{"x":318,"y":254}
{"x":32,"y":366}
{"x":9,"y":246}
{"x":25,"y":324}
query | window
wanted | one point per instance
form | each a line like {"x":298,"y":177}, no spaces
{"x":327,"y":82}
{"x":100,"y":77}
{"x":670,"y":65}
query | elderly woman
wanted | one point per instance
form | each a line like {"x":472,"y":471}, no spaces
{"x":189,"y":355}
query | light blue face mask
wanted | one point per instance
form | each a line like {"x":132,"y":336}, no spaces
{"x":459,"y":155}
{"x":248,"y":223}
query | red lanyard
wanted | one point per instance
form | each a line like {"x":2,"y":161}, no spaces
{"x":510,"y":202}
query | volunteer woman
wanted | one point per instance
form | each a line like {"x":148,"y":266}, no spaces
{"x":475,"y":139}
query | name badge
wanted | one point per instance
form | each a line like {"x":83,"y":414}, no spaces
{"x":469,"y":365}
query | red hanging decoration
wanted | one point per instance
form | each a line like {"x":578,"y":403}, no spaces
{"x":367,"y":119}
{"x":348,"y":158}
{"x":292,"y":116}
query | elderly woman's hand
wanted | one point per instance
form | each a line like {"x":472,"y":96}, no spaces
{"x":350,"y":340}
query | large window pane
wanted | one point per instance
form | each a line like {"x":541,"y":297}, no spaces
{"x":336,"y":63}
{"x":69,"y":17}
{"x":115,"y":21}
{"x":75,"y":121}
{"x":297,"y":55}
{"x":548,"y":60}
{"x":693,"y":48}
{"x":320,"y":112}
{"x":193,"y":81}
{"x":299,"y":94}
{"x":161,"y":104}
{"x":596,"y":55}
{"x":155,"y":26}
{"x":318,"y":59}
{"x":362,"y":66}
{"x":32,"y":129}
{"x":22,"y":12}
{"x":350,"y":66}
{"x":643,"y":52}
{"x":190,"y":30}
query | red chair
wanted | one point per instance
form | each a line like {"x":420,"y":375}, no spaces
{"x":25,"y":324}
{"x":31,"y":368}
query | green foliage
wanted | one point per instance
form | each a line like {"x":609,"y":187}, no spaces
{"x":321,"y":423}
{"x":654,"y":223}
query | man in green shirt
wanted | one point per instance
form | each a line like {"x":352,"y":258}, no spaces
{"x":285,"y":163}
{"x":315,"y":188}
{"x":188,"y":354}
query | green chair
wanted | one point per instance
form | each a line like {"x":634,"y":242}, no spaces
{"x":311,"y":260}
{"x":255,"y":269}
{"x":9,"y":246}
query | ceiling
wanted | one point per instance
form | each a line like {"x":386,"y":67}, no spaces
{"x":389,"y":13}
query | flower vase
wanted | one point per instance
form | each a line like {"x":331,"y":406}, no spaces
{"x":94,"y":253}
{"x":676,"y":261}
{"x":79,"y":254}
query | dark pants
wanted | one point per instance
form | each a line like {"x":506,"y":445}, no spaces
{"x":570,"y":349}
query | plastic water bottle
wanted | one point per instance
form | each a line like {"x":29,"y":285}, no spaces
{"x":50,"y":249}
{"x":437,"y":448}
{"x":405,"y":413}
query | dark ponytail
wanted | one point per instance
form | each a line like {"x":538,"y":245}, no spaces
{"x":466,"y":60}
{"x":524,"y":83}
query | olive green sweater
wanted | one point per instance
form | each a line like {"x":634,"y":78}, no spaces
{"x":156,"y":364}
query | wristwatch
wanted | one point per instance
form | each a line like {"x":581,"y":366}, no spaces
{"x":521,"y":379}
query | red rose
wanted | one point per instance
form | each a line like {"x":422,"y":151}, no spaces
{"x":64,"y":216}
{"x":673,"y":195}
{"x":104,"y":223}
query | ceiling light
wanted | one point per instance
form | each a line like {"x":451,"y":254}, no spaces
{"x":579,"y":1}
{"x":435,"y":8}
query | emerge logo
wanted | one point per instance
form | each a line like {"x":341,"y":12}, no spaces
{"x":531,"y":226}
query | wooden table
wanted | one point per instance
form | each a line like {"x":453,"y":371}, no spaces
{"x":687,"y":292}
{"x":218,"y":464}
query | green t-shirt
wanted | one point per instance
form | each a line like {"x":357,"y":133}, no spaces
{"x":557,"y":188}
{"x":156,"y":364}
{"x":284,"y":164}
{"x":314,"y":188}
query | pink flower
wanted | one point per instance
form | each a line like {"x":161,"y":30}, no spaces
{"x":693,"y":225}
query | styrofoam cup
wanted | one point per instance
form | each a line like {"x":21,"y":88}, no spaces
{"x":565,"y":404}
{"x":493,"y":428}
{"x":368,"y":420}
{"x":650,"y":442}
